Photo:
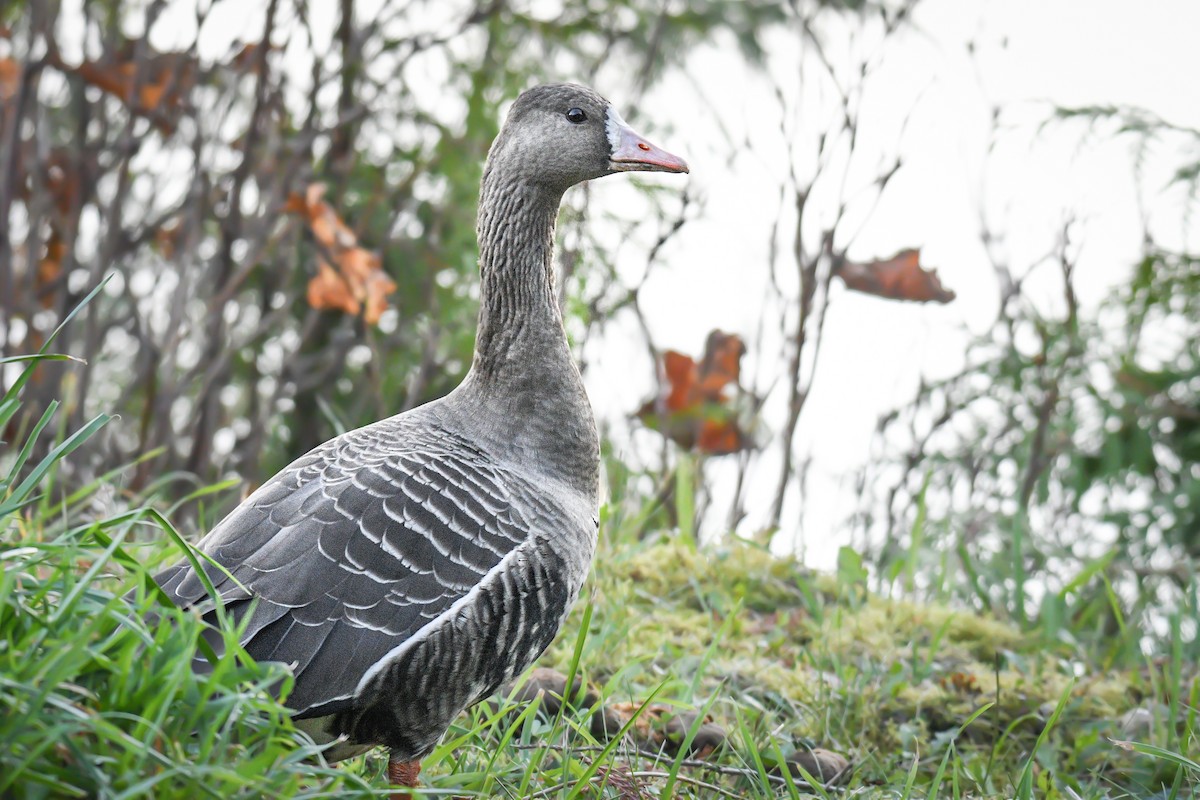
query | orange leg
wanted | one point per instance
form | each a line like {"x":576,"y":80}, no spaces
{"x":403,"y":774}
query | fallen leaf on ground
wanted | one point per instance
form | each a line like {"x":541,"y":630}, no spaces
{"x":551,"y":686}
{"x":664,"y":727}
{"x":962,"y":682}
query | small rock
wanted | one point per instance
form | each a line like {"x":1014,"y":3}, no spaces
{"x":709,"y":736}
{"x":824,"y":765}
{"x":1138,"y":722}
{"x":551,"y":686}
{"x":606,"y":724}
{"x":663,"y":727}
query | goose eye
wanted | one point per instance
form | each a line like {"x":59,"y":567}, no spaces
{"x":577,"y":116}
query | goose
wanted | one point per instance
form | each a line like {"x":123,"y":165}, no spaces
{"x":406,"y":569}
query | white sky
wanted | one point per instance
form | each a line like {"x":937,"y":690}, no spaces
{"x":1028,"y":57}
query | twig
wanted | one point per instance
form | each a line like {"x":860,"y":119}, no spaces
{"x":657,"y":756}
{"x":712,"y":787}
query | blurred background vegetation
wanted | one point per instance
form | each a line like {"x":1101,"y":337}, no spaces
{"x":285,"y":202}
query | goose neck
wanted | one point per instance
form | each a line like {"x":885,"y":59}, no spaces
{"x":524,"y":392}
{"x":519,"y":312}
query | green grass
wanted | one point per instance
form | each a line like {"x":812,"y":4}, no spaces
{"x":925,"y":696}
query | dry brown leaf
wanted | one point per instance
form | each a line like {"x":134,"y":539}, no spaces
{"x":349,"y":278}
{"x":169,"y":237}
{"x":721,"y":366}
{"x":681,"y":371}
{"x":327,"y":290}
{"x":551,"y":687}
{"x":50,"y":268}
{"x":10,"y":79}
{"x":246,"y":57}
{"x":370,"y":285}
{"x":720,"y":436}
{"x":961,"y":682}
{"x":696,"y":404}
{"x":63,"y":181}
{"x":900,"y":277}
{"x":666,"y":727}
{"x":643,"y":726}
{"x":297,"y":203}
{"x":327,"y":227}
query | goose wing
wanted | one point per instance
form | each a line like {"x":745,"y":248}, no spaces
{"x":356,"y":547}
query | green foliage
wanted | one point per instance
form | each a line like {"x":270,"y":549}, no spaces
{"x":97,"y":692}
{"x":1152,"y":412}
{"x":1069,"y":447}
{"x":100,"y":700}
{"x":1063,"y":457}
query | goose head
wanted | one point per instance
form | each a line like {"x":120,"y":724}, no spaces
{"x":561,"y":134}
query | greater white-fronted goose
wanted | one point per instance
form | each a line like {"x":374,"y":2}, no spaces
{"x":408,"y":568}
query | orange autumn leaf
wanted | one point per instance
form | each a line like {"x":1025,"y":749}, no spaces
{"x":63,"y":181}
{"x":681,"y":377}
{"x":154,"y":84}
{"x":900,"y":277}
{"x":349,"y":278}
{"x":296,"y":203}
{"x":50,"y":268}
{"x":248,"y":57}
{"x":692,"y":382}
{"x":719,"y":437}
{"x":695,"y":402}
{"x":327,"y":227}
{"x":328,"y":290}
{"x":722,"y":364}
{"x":370,"y":285}
{"x":169,"y":238}
{"x":10,"y":79}
{"x":961,"y":682}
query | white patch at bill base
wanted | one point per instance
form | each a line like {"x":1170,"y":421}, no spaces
{"x":613,"y":125}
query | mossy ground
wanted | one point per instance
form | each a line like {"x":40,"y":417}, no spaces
{"x":924,"y":699}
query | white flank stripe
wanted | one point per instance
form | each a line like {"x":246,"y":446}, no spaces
{"x":399,"y":650}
